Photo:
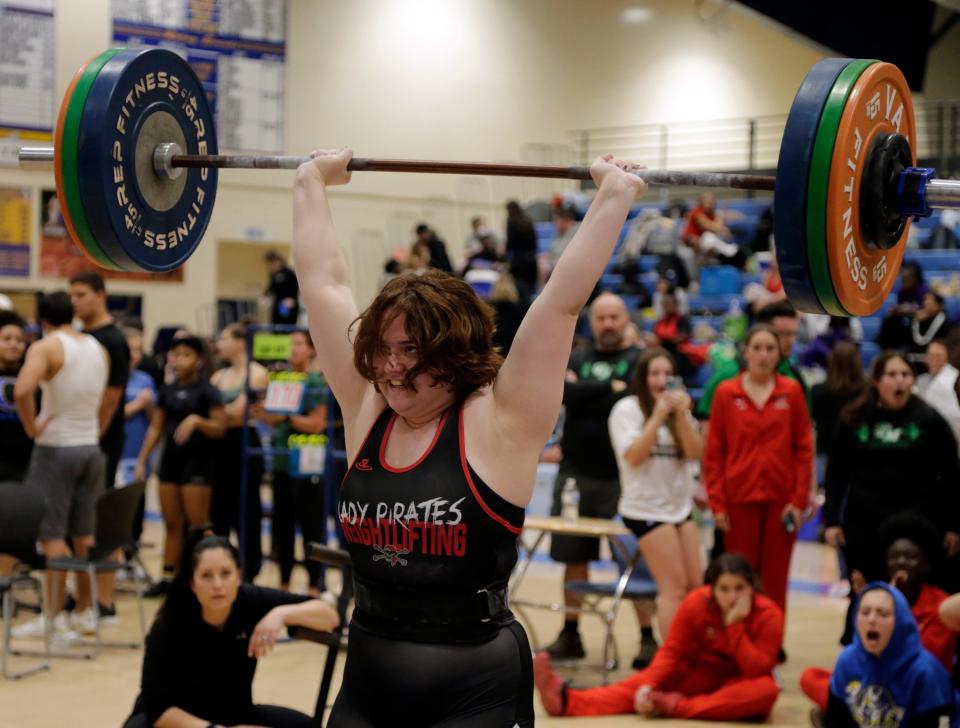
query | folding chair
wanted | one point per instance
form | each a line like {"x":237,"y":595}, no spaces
{"x":20,"y":517}
{"x":116,"y":509}
{"x":335,"y":640}
{"x":634,"y":583}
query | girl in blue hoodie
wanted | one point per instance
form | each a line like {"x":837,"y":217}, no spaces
{"x":886,"y":678}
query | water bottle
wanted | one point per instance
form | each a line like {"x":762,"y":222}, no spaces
{"x":570,"y":500}
{"x":735,"y":322}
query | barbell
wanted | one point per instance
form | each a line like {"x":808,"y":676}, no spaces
{"x":135,"y":158}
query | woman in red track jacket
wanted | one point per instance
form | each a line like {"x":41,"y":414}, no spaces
{"x":758,"y":460}
{"x":716,"y":663}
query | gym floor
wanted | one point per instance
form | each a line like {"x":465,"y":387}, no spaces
{"x":101,"y":692}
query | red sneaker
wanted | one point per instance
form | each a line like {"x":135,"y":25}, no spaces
{"x":548,"y":683}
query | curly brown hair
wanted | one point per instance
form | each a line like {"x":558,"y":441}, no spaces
{"x":451,"y":326}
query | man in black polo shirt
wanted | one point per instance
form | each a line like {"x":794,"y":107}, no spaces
{"x":597,"y":377}
{"x":89,"y":297}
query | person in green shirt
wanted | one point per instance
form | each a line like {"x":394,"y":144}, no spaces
{"x":298,"y":500}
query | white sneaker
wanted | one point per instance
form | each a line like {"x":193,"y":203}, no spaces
{"x":64,"y":638}
{"x":84,"y":622}
{"x":32,"y":630}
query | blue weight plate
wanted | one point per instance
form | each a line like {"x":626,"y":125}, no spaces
{"x":790,"y":192}
{"x":140,"y":98}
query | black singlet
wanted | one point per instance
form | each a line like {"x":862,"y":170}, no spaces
{"x":430,"y":534}
{"x":432,"y":528}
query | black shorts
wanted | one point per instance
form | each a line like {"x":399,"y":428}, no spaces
{"x":642,"y":528}
{"x":599,"y":498}
{"x":185,"y":466}
{"x":390,"y":682}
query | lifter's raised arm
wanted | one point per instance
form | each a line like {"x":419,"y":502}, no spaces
{"x":529,"y":387}
{"x":323,"y":275}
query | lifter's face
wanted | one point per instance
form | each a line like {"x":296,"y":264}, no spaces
{"x":394,"y":366}
{"x":216,"y":580}
{"x":13,"y":342}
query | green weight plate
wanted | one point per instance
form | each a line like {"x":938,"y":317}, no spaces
{"x":68,"y":142}
{"x":817,"y":185}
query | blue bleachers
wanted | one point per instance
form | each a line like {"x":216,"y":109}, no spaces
{"x":868,"y":352}
{"x":871,"y":327}
{"x":714,"y":304}
{"x":930,"y":260}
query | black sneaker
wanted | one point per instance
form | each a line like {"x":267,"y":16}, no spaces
{"x":648,"y":648}
{"x":567,"y":646}
{"x":69,"y":603}
{"x":159,"y":589}
{"x":107,"y":615}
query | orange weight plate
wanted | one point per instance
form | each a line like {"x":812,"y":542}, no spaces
{"x":862,"y":274}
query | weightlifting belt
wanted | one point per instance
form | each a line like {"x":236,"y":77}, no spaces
{"x":454,"y":608}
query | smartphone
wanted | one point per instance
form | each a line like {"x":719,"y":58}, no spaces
{"x":673,"y":384}
{"x":789,"y":525}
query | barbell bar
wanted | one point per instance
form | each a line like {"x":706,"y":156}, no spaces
{"x":135,"y":153}
{"x":940,"y":193}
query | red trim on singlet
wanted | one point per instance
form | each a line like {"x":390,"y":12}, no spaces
{"x":386,"y":438}
{"x":362,"y":445}
{"x":473,"y":486}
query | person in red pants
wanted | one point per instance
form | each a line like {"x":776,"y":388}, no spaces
{"x":716,"y":663}
{"x":910,"y":542}
{"x":758,"y":461}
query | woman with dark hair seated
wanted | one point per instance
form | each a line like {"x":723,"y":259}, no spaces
{"x":203,"y":648}
{"x":886,"y":678}
{"x":912,"y":545}
{"x":716,"y":663}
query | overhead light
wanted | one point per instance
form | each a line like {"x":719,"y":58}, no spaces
{"x":635,"y":15}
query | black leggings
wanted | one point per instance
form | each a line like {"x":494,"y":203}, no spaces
{"x":297,"y":501}
{"x":225,"y":505}
{"x":391,"y":682}
{"x":268,"y":716}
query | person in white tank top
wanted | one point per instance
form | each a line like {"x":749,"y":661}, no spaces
{"x":654,"y":435}
{"x":71,"y":370}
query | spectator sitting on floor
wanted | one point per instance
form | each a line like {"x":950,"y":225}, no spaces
{"x":203,"y":648}
{"x":886,"y":677}
{"x":910,"y":543}
{"x":716,"y":664}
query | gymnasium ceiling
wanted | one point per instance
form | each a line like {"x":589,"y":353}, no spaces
{"x":898,"y":31}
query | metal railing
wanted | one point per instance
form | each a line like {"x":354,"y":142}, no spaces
{"x":753,"y":143}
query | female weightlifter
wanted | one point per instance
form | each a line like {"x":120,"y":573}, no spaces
{"x":443,"y":438}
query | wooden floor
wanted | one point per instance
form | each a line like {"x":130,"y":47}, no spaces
{"x":101,"y":692}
